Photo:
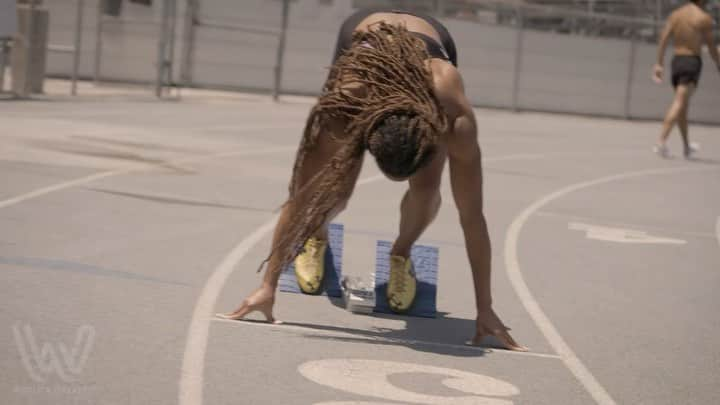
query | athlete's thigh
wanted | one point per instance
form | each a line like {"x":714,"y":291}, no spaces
{"x":682,"y":94}
{"x":319,"y":155}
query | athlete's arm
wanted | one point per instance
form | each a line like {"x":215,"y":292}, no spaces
{"x":662,"y":45}
{"x":466,"y":179}
{"x":709,"y":37}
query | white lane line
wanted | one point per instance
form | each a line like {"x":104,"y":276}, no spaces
{"x":191,"y":373}
{"x":370,"y":179}
{"x":193,"y":365}
{"x":523,"y":156}
{"x":382,"y":339}
{"x":59,"y":186}
{"x":101,"y":175}
{"x":512,"y":268}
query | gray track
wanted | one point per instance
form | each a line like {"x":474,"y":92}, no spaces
{"x":129,"y":255}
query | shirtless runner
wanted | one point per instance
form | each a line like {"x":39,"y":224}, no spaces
{"x":690,"y":26}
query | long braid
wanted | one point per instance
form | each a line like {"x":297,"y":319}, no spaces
{"x":390,"y":64}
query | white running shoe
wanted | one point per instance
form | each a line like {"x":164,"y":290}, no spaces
{"x":692,"y":149}
{"x":662,"y":151}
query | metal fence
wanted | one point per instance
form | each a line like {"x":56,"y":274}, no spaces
{"x":518,"y":57}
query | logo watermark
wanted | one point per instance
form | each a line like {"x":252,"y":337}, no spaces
{"x":43,"y":360}
{"x":55,"y":366}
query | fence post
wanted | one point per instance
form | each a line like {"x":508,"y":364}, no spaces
{"x":170,"y":50}
{"x":98,"y":41}
{"x":78,"y":44}
{"x":161,"y":61}
{"x":188,"y":51}
{"x":29,"y":42}
{"x":517,"y":69}
{"x":630,"y":75}
{"x":4,"y":50}
{"x":281,"y":50}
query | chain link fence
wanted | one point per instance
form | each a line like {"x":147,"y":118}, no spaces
{"x":512,"y":54}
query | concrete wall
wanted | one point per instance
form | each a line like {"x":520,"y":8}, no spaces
{"x":557,"y":72}
{"x":129,"y":49}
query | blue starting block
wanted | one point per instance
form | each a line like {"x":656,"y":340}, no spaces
{"x":333,"y":267}
{"x":425,"y":261}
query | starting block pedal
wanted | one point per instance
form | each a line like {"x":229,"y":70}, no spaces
{"x":425,"y":262}
{"x":333,"y":267}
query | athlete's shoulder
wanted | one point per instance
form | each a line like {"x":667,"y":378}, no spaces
{"x":706,"y":20}
{"x":678,"y":13}
{"x":449,"y":87}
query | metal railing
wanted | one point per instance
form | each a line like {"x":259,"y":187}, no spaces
{"x":217,"y":47}
{"x":76,"y":48}
{"x":4,"y":52}
{"x":166,"y":47}
{"x":165,"y":41}
{"x":193,"y":21}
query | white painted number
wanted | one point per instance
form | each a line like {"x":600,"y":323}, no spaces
{"x":370,"y":378}
{"x":621,"y":235}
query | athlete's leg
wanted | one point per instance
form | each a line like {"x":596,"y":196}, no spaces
{"x":420,"y":204}
{"x":418,"y":209}
{"x":671,"y":117}
{"x":683,"y":126}
{"x":263,"y":298}
{"x":683,"y":120}
{"x":310,"y":263}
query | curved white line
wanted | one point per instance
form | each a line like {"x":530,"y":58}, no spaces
{"x":101,"y":175}
{"x":512,"y":268}
{"x":191,"y":373}
{"x":193,"y":367}
{"x":60,"y":186}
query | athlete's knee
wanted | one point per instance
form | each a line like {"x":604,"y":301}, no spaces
{"x":670,"y":117}
{"x":684,"y":112}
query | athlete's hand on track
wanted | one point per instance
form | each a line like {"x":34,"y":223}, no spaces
{"x":261,"y":300}
{"x":658,"y":72}
{"x":488,"y":324}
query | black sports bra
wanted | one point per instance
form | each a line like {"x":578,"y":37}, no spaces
{"x":443,"y":50}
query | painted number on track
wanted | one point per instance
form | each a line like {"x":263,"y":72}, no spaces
{"x":371,"y":378}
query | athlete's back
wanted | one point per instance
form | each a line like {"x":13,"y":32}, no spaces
{"x":687,"y":26}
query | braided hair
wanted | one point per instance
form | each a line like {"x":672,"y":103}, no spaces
{"x":398,"y":120}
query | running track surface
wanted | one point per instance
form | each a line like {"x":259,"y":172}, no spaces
{"x":126,"y":222}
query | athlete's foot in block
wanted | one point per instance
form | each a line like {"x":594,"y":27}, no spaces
{"x":488,"y":324}
{"x":262,"y":300}
{"x":310,"y":266}
{"x":402,"y":284}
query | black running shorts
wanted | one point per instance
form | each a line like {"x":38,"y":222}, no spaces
{"x":686,"y":69}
